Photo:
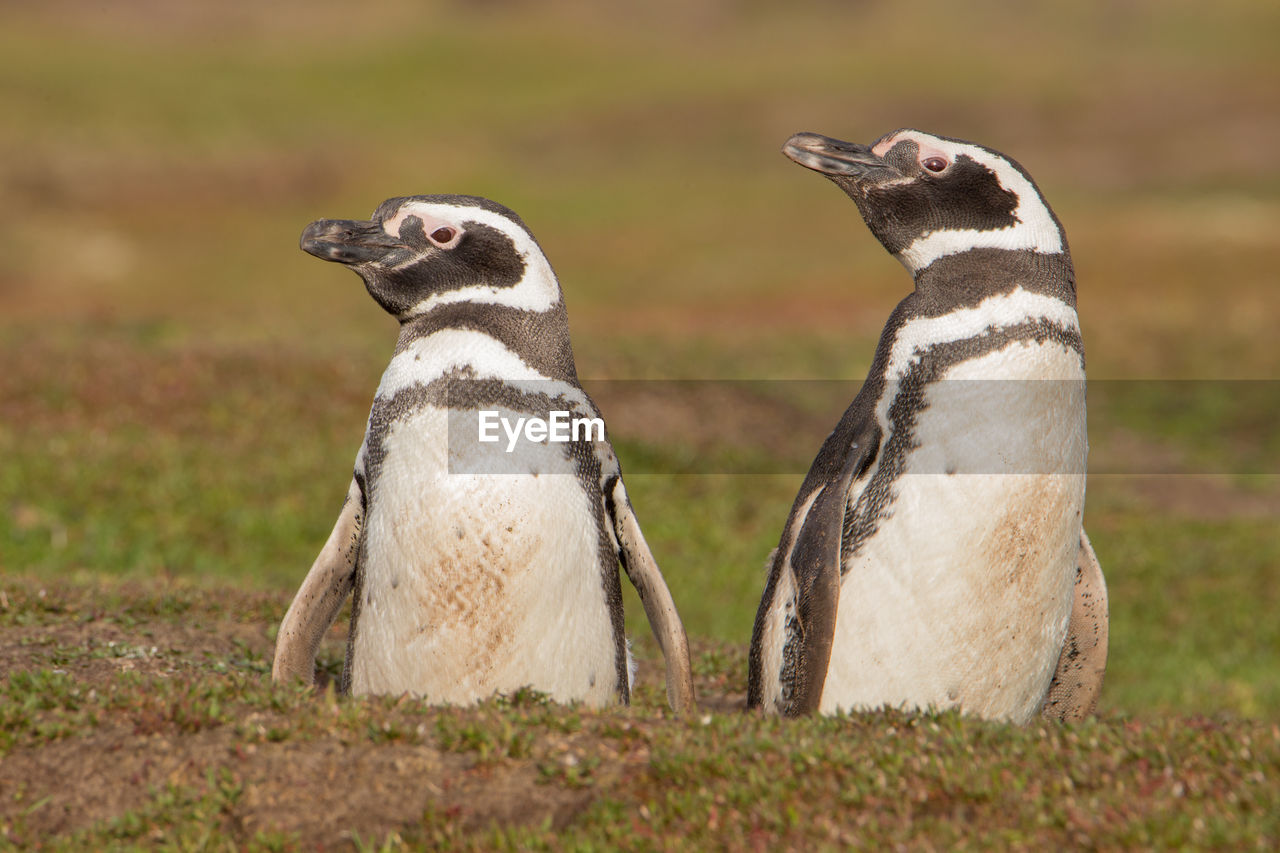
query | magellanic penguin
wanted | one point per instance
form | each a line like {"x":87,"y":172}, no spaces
{"x":477,"y":567}
{"x":935,"y":557}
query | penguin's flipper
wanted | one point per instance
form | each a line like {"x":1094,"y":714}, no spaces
{"x":321,"y":595}
{"x":815,"y":565}
{"x":1073,"y":693}
{"x":637,"y":560}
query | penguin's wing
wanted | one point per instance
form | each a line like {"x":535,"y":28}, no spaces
{"x":637,"y":560}
{"x":815,"y":566}
{"x":321,"y":595}
{"x":1073,"y":693}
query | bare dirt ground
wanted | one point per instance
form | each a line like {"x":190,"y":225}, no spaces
{"x":151,"y":731}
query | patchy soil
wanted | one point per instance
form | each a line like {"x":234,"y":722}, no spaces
{"x":769,"y":420}
{"x":181,"y":702}
{"x":1158,"y":476}
{"x":142,"y":714}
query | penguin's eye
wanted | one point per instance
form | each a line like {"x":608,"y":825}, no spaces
{"x":443,"y":235}
{"x":934,"y":164}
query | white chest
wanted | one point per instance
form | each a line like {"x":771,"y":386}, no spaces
{"x":961,"y":596}
{"x":476,"y":583}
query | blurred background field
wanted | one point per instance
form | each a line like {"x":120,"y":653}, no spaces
{"x":183,"y":391}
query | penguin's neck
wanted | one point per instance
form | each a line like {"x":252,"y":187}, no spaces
{"x":981,"y":296}
{"x":966,"y":279}
{"x":539,"y":339}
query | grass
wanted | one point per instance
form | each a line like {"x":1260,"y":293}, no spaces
{"x":183,"y":394}
{"x":521,"y":772}
{"x":1188,"y":623}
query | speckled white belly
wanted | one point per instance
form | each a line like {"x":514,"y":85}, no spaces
{"x":476,"y":584}
{"x":961,"y":598}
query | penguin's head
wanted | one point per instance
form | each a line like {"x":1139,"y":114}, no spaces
{"x":925,"y":197}
{"x":419,"y":252}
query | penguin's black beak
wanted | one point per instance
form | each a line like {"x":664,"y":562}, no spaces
{"x":348,"y":241}
{"x":838,"y":159}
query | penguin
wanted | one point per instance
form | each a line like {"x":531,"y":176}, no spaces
{"x":476,"y":566}
{"x":935,"y":555}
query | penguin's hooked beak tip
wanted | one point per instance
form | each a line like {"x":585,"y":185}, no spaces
{"x":347,"y":241}
{"x":836,"y":158}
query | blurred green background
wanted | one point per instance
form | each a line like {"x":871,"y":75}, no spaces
{"x":183,"y":391}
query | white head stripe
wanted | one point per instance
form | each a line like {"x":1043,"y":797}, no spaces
{"x":537,"y":291}
{"x":928,"y":248}
{"x":1035,"y":229}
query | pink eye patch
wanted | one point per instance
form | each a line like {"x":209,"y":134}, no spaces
{"x":926,"y":151}
{"x":439,"y":232}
